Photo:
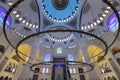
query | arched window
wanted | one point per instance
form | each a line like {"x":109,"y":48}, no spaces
{"x":70,"y":57}
{"x":70,"y":70}
{"x":59,"y":50}
{"x":47,"y":57}
{"x":74,"y":70}
{"x":43,"y":70}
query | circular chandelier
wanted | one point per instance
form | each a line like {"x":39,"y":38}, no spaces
{"x":50,"y":31}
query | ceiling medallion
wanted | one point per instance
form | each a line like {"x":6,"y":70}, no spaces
{"x":60,"y":4}
{"x":60,"y":10}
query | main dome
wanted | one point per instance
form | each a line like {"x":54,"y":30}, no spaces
{"x":56,"y":10}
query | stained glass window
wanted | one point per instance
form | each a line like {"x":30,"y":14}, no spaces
{"x":59,"y":50}
{"x":113,"y":22}
{"x":2,"y":15}
{"x":71,"y":58}
{"x":47,"y":57}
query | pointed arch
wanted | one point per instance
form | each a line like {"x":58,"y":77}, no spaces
{"x":94,"y":50}
{"x":25,"y":49}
